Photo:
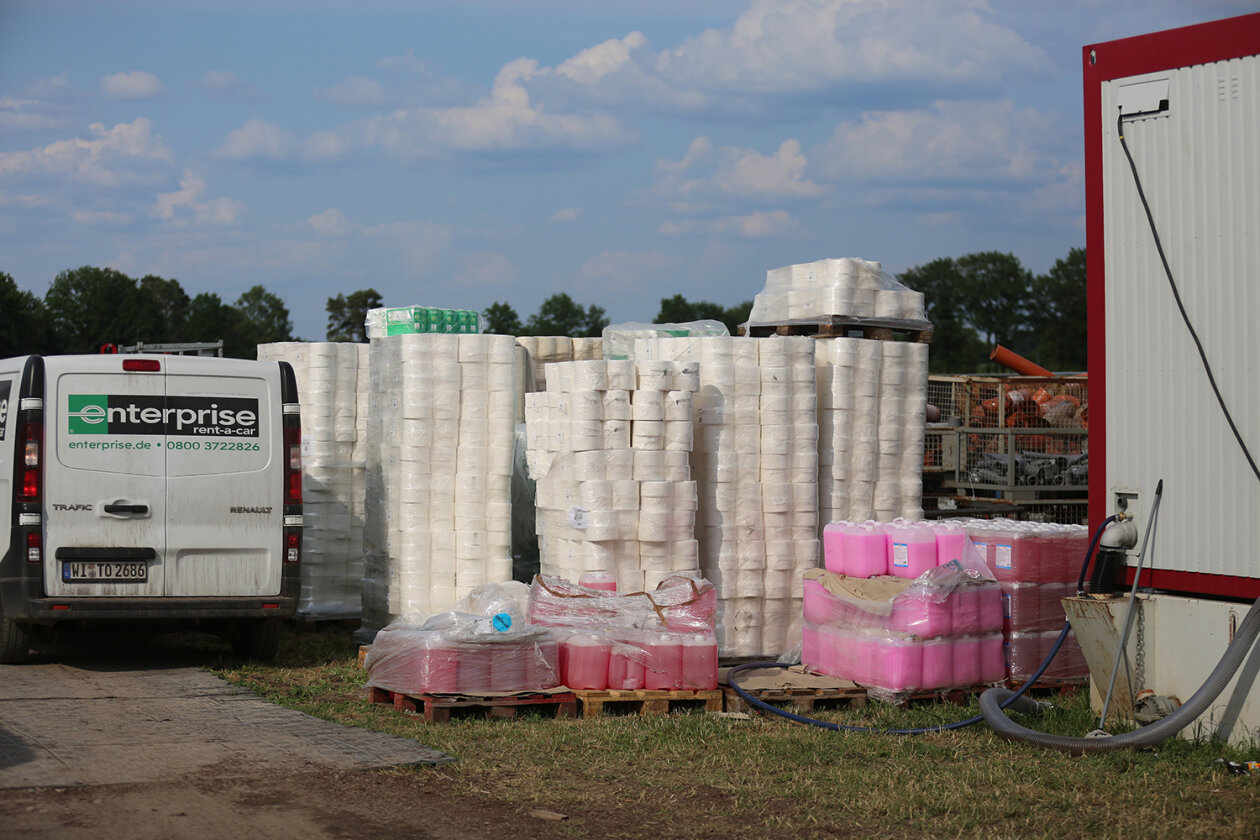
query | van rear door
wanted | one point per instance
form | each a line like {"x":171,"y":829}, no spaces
{"x":105,"y":477}
{"x":225,"y":478}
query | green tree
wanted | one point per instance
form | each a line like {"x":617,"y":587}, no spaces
{"x":737,"y":315}
{"x":265,"y":320}
{"x":23,"y":323}
{"x":171,"y":303}
{"x":347,"y":315}
{"x":679,"y":310}
{"x":501,"y":319}
{"x":210,"y":319}
{"x":998,"y":290}
{"x":90,"y":306}
{"x":561,"y":315}
{"x":955,"y":346}
{"x":1058,"y":320}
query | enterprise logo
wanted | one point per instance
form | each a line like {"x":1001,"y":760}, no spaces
{"x":153,"y":414}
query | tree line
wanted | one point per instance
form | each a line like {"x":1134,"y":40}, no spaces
{"x":973,"y":301}
{"x":86,"y":308}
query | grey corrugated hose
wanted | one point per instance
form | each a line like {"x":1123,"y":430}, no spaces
{"x":1161,"y":730}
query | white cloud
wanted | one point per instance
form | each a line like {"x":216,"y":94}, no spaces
{"x":331,"y":223}
{"x":356,"y":92}
{"x":757,"y":225}
{"x":951,"y":140}
{"x":134,"y":85}
{"x":258,"y":140}
{"x":226,"y":85}
{"x":506,"y":120}
{"x":566,"y":214}
{"x":749,"y":173}
{"x":185,"y":207}
{"x":111,"y":156}
{"x":780,"y":46}
{"x":25,"y":115}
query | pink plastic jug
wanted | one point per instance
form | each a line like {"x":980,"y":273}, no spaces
{"x":586,"y":662}
{"x":699,"y":662}
{"x":911,"y":550}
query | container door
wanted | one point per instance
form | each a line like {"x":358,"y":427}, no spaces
{"x":105,"y":478}
{"x":224,"y":507}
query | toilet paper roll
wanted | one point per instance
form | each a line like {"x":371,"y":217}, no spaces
{"x":654,"y":375}
{"x":649,"y":465}
{"x":780,"y":556}
{"x":749,"y":584}
{"x":617,"y":405}
{"x":747,"y":440}
{"x":590,"y":465}
{"x":599,"y":556}
{"x":586,"y":405}
{"x":596,"y":495}
{"x":647,"y":405}
{"x":630,"y":581}
{"x":646,"y":441}
{"x":585,"y":435}
{"x":619,"y":464}
{"x":622,"y":375}
{"x":625,"y":495}
{"x":750,"y":554}
{"x":677,"y":406}
{"x":677,"y":465}
{"x":617,"y":435}
{"x":678,"y":436}
{"x":590,"y":376}
{"x":686,"y":376}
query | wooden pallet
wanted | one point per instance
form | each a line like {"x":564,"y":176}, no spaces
{"x":1062,"y":687}
{"x":437,"y":708}
{"x":919,"y":332}
{"x":647,"y":702}
{"x":801,"y":699}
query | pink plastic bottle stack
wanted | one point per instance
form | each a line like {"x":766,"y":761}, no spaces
{"x":833,"y":546}
{"x":911,"y":550}
{"x":1038,"y":565}
{"x":951,"y":543}
{"x":864,"y":549}
{"x":699,"y":663}
{"x":664,"y":662}
{"x":586,"y":662}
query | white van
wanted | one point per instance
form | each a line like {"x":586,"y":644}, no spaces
{"x":151,"y":488}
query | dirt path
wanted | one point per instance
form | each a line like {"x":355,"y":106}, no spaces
{"x":314,"y":806}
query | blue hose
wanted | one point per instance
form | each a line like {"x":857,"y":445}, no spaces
{"x":925,"y":730}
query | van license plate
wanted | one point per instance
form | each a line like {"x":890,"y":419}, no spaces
{"x":129,"y":571}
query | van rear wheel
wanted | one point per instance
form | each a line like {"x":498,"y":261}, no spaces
{"x":15,"y":641}
{"x":257,"y":640}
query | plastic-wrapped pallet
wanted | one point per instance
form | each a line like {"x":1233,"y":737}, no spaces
{"x":817,"y":291}
{"x":440,"y":461}
{"x":1037,"y":565}
{"x":756,"y":463}
{"x":332,"y":381}
{"x":872,"y":400}
{"x":608,"y":444}
{"x":897,"y":635}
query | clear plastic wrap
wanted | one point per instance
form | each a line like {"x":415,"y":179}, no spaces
{"x":658,"y":640}
{"x":898,"y":662}
{"x":403,"y":320}
{"x":943,"y":602}
{"x":849,"y":287}
{"x":619,"y":338}
{"x":483,"y":645}
{"x":1026,"y":651}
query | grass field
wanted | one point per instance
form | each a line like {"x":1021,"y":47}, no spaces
{"x":693,"y":775}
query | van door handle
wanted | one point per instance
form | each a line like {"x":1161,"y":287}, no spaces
{"x":117,"y":508}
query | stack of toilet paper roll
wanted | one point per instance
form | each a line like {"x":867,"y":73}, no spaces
{"x":332,"y":380}
{"x":872,"y":403}
{"x":608,"y":444}
{"x":439,"y":471}
{"x":549,"y":349}
{"x":834,"y":287}
{"x":756,"y":465}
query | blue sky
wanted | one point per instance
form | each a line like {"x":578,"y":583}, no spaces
{"x":457,"y":154}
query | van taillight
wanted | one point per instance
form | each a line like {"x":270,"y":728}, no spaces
{"x":292,"y":546}
{"x":29,"y":444}
{"x":293,"y":465}
{"x":34,"y":546}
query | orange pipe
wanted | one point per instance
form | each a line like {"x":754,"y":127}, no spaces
{"x":1016,"y":362}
